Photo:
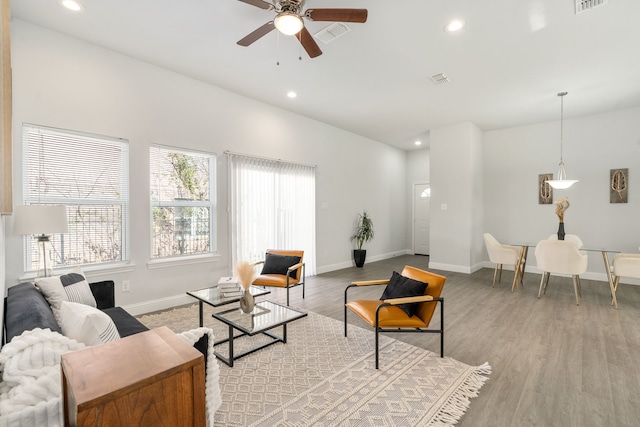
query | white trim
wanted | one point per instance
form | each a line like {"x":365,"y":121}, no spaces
{"x":450,"y":267}
{"x":91,"y":271}
{"x":159,"y":304}
{"x":184,"y":260}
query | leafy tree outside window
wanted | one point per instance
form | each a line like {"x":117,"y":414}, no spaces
{"x":182,"y":202}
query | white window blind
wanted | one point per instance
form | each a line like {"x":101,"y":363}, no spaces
{"x":272,"y":207}
{"x":182,"y":202}
{"x":89,"y":174}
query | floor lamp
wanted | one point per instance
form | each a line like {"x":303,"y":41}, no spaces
{"x":41,"y":221}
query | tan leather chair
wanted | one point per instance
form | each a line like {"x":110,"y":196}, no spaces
{"x":294,"y":274}
{"x":386,"y":316}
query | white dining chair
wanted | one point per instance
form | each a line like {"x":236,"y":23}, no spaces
{"x":625,"y":265}
{"x":560,"y":257}
{"x":501,"y":254}
{"x":573,"y":238}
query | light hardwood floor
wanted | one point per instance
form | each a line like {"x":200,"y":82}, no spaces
{"x":554,"y":363}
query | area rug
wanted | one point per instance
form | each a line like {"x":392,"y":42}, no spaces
{"x":321,"y":378}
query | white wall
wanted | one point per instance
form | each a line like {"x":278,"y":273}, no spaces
{"x":66,"y":83}
{"x":593,"y":145}
{"x":456,"y":171}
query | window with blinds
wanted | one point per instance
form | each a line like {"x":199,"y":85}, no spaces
{"x":89,"y":174}
{"x":182,"y":202}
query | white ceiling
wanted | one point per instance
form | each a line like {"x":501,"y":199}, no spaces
{"x":506,"y":66}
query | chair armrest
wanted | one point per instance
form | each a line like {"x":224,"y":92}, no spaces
{"x":370,"y":282}
{"x":408,"y":300}
{"x":295,"y":267}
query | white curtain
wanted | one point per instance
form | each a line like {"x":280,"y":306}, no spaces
{"x":272,"y":207}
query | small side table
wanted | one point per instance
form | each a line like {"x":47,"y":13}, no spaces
{"x":148,"y":379}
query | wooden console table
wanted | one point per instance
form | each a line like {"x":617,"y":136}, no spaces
{"x":153,"y":378}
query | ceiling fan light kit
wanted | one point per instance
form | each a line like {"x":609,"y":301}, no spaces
{"x":289,"y":21}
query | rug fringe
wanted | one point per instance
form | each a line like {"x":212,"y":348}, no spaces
{"x":458,"y":403}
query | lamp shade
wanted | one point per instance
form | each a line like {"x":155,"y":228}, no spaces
{"x":40,"y":219}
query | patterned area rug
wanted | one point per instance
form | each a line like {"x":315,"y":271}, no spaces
{"x":321,"y":378}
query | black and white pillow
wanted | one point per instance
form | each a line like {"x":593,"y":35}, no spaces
{"x":86,"y":324}
{"x":72,"y":286}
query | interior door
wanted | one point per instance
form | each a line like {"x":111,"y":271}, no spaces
{"x":421,"y":205}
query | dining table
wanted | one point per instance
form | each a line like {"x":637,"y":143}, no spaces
{"x":522,"y":263}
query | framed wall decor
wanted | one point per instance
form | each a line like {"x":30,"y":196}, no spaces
{"x":545,"y":192}
{"x":619,"y":185}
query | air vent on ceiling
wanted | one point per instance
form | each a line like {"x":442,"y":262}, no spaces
{"x":440,"y":79}
{"x":332,"y":32}
{"x":584,"y":5}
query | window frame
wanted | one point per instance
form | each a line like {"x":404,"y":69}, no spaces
{"x":123,"y":202}
{"x":211,"y":204}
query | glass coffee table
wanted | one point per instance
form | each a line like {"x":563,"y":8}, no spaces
{"x":217,"y":296}
{"x":265,"y":316}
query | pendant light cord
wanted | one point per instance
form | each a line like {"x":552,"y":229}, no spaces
{"x":561,"y":95}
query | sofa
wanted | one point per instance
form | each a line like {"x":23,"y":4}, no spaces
{"x":26,"y":309}
{"x":30,"y":321}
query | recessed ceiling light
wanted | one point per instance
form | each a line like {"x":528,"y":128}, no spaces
{"x":72,"y":5}
{"x":292,"y":94}
{"x":418,"y":143}
{"x":454,"y":26}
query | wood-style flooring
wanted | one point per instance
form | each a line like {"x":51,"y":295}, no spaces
{"x":554,"y":363}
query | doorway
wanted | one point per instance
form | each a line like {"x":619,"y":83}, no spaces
{"x":421,"y":206}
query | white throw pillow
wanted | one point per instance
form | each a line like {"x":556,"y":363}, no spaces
{"x":77,"y":287}
{"x":53,"y":291}
{"x":86,"y":324}
{"x":72,"y":286}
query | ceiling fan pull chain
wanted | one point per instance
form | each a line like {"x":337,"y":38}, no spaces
{"x":278,"y":43}
{"x":300,"y":46}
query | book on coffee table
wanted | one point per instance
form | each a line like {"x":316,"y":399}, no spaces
{"x":228,"y":282}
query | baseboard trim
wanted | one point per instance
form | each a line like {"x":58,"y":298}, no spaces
{"x":159,"y":304}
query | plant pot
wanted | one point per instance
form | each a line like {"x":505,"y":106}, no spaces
{"x":359,"y":255}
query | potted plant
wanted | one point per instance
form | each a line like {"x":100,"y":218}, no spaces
{"x":363,"y":233}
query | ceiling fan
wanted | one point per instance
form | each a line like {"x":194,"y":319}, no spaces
{"x":289,"y":21}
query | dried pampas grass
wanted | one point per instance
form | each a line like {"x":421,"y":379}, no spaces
{"x":246,"y":274}
{"x":561,"y":206}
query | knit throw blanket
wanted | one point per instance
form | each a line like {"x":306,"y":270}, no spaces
{"x":31,"y":390}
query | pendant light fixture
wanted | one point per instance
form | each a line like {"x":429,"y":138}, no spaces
{"x":561,"y":182}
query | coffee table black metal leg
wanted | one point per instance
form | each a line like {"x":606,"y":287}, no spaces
{"x":230,"y":346}
{"x":284,"y":333}
{"x":200,"y":311}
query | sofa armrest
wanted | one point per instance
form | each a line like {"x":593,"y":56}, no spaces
{"x":104,"y":293}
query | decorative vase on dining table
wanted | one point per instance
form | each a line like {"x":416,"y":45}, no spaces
{"x":561,"y":231}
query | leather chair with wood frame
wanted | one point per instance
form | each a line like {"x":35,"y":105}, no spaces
{"x":386,"y":316}
{"x":294,"y":275}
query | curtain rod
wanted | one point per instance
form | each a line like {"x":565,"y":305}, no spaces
{"x":231,"y":153}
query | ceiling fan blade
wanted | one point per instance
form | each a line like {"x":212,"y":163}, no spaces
{"x":308,"y":43}
{"x":258,"y":3}
{"x":338,"y":15}
{"x":255,"y":35}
